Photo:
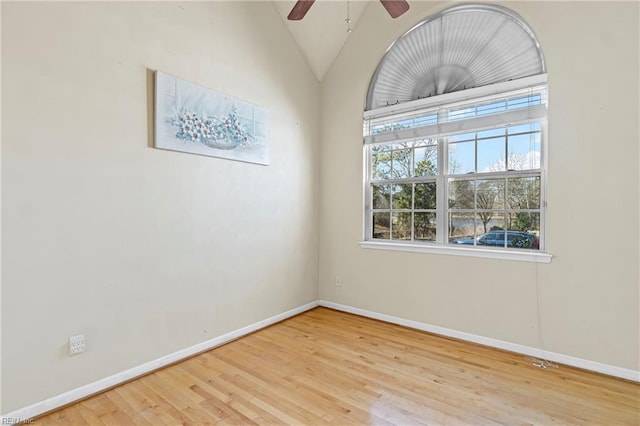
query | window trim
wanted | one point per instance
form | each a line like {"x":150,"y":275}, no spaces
{"x":461,"y":96}
{"x":475,"y":94}
{"x":434,"y":248}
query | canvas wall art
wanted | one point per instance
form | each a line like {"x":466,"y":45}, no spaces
{"x":194,"y":119}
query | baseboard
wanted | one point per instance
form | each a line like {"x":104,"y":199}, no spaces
{"x":39,"y":408}
{"x":609,"y":370}
{"x":31,"y":411}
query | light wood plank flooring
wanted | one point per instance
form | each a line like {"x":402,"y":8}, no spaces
{"x":325,"y":366}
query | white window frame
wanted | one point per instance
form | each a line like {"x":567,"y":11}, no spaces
{"x":447,"y":101}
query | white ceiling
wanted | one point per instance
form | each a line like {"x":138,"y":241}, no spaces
{"x":323,"y":31}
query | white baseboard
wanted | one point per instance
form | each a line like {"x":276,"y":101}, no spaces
{"x":26,"y":413}
{"x":610,"y":370}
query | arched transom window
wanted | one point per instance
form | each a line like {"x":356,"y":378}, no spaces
{"x":454,"y":138}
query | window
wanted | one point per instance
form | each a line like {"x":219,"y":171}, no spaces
{"x":464,"y":173}
{"x":454,"y":141}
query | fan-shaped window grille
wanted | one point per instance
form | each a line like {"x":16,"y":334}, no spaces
{"x":462,"y":47}
{"x":459,"y":166}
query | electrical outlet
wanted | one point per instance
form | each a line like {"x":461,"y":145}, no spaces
{"x":77,"y":344}
{"x":338,"y":281}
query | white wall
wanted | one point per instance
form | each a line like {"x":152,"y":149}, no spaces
{"x":589,"y":294}
{"x":147,"y":251}
{"x":144,"y":251}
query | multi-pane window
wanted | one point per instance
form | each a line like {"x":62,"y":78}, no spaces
{"x":461,"y":173}
{"x":404,"y":202}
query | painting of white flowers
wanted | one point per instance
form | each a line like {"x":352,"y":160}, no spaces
{"x":191,"y":118}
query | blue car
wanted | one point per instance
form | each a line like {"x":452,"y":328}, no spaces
{"x":516,"y":239}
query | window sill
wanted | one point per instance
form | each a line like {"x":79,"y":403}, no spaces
{"x":523,"y":256}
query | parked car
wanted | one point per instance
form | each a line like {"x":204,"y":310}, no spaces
{"x":515,"y":239}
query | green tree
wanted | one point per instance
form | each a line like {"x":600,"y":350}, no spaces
{"x":523,"y":222}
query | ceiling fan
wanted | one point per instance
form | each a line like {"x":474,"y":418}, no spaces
{"x":395,"y":8}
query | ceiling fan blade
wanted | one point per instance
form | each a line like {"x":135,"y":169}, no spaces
{"x":300,"y":9}
{"x":395,"y":7}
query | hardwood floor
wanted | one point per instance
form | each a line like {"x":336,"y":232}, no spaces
{"x":325,"y":366}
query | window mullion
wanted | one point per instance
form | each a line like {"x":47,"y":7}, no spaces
{"x":440,"y":183}
{"x":367,"y":198}
{"x":413,"y":206}
{"x":441,"y":192}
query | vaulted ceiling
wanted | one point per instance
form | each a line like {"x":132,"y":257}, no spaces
{"x":323,"y":31}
